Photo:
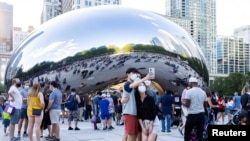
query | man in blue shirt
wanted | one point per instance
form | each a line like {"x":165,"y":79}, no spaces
{"x":24,"y":92}
{"x":54,"y":109}
{"x":167,"y":107}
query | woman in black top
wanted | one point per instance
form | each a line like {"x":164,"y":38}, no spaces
{"x":146,"y":115}
{"x":46,"y":123}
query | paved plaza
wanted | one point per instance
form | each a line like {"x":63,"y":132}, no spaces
{"x":87,"y":133}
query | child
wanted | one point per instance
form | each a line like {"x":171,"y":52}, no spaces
{"x":6,"y":122}
{"x":242,"y":118}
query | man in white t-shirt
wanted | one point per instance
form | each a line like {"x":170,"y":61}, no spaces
{"x":15,"y":98}
{"x":195,"y":100}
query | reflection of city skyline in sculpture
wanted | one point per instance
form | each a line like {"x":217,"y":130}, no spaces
{"x":101,"y":43}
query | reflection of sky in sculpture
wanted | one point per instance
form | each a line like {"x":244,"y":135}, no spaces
{"x":86,"y":28}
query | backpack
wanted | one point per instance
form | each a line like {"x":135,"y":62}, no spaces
{"x":71,"y":103}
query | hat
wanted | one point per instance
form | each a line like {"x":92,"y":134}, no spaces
{"x":134,"y":70}
{"x":103,"y":95}
{"x":193,"y":79}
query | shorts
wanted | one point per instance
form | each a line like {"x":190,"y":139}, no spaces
{"x":24,"y":113}
{"x":14,"y":118}
{"x":221,"y":110}
{"x":131,"y":124}
{"x":105,"y":116}
{"x":118,"y":116}
{"x":6,"y":123}
{"x":73,"y":115}
{"x":156,"y":125}
{"x":54,"y":115}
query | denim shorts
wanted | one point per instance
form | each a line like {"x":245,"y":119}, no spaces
{"x":23,"y":113}
{"x":14,"y":118}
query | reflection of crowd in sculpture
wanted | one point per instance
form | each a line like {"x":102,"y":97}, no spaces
{"x":87,"y":69}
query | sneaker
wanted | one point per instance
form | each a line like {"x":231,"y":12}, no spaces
{"x":14,"y":139}
{"x":62,"y":122}
{"x":104,"y":129}
{"x":25,"y":135}
{"x":168,"y":131}
{"x":111,"y":127}
{"x":162,"y":130}
{"x":70,"y":128}
{"x":179,"y":129}
{"x":56,"y":139}
{"x":77,"y":128}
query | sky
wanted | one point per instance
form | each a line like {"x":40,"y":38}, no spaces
{"x":231,"y":14}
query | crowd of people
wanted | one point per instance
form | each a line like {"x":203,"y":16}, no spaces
{"x":142,"y":110}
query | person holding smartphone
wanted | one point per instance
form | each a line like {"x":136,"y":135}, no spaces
{"x":129,"y":103}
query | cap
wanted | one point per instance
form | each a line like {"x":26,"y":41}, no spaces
{"x":108,"y":95}
{"x":193,"y":79}
{"x":103,"y":95}
{"x":134,"y":70}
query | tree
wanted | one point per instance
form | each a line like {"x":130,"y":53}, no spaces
{"x":228,"y":85}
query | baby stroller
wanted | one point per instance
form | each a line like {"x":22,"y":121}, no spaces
{"x":234,"y":120}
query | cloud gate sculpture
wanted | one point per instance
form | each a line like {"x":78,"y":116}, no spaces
{"x":96,"y":45}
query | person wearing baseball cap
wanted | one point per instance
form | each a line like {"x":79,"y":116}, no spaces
{"x":195,"y":100}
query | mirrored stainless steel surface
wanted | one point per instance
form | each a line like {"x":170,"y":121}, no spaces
{"x":96,"y":45}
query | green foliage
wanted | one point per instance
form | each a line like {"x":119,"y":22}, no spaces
{"x":228,"y":85}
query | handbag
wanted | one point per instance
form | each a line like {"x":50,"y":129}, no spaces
{"x":36,"y":112}
{"x":9,"y":109}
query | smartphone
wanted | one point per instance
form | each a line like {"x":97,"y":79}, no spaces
{"x":152,"y":71}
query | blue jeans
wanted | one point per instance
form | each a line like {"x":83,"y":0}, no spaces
{"x":167,"y":119}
